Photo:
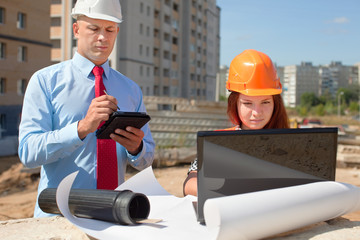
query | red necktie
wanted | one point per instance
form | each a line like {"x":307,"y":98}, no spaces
{"x":107,"y":173}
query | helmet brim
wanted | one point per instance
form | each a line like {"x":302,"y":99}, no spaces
{"x":260,"y":92}
{"x":99,"y":16}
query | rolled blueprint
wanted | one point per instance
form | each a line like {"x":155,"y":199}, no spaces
{"x":265,"y":213}
{"x":123,"y":207}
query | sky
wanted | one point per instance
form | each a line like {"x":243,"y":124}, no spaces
{"x":291,"y":31}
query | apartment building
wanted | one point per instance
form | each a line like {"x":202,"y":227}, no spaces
{"x":222,"y":77}
{"x":299,"y":79}
{"x":61,"y":32}
{"x":336,"y":75}
{"x":24,"y":48}
{"x":169,"y":47}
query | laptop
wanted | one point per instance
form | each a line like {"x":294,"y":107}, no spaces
{"x":236,"y":162}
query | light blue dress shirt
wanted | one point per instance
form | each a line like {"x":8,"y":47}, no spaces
{"x":56,"y":98}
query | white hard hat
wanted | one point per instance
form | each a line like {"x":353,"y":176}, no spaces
{"x":109,"y":10}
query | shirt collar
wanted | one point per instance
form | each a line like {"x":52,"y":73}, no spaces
{"x":86,"y":66}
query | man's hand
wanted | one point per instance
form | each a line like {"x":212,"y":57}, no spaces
{"x":99,"y":110}
{"x":131,"y":139}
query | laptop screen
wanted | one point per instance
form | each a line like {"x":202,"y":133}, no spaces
{"x":235,"y":162}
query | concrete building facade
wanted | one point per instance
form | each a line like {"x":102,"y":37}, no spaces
{"x":222,"y":78}
{"x":61,"y":32}
{"x":24,"y":48}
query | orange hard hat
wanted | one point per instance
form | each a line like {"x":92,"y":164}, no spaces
{"x":253,"y":73}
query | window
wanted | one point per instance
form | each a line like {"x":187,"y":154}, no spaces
{"x":2,"y":15}
{"x":166,"y":55}
{"x":175,"y":7}
{"x":167,"y":37}
{"x":156,"y":90}
{"x":21,"y":20}
{"x":55,"y":21}
{"x":141,"y":29}
{"x":156,"y":33}
{"x":141,"y":70}
{"x":21,"y":87}
{"x":174,"y":57}
{"x":2,"y":122}
{"x":156,"y":52}
{"x":22,"y":54}
{"x":175,"y":40}
{"x":173,"y":74}
{"x":141,"y":7}
{"x":156,"y":14}
{"x":167,"y":19}
{"x":148,"y":31}
{"x":147,"y":51}
{"x":140,"y":49}
{"x":156,"y":71}
{"x":148,"y":11}
{"x":194,"y":3}
{"x":166,"y":90}
{"x":2,"y":85}
{"x":166,"y":72}
{"x":2,"y":50}
{"x":175,"y":24}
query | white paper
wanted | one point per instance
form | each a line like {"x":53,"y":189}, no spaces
{"x":245,"y":216}
{"x":266,"y":213}
{"x":177,"y":214}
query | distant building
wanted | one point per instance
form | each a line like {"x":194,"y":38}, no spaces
{"x":357,"y":70}
{"x":335,"y":76}
{"x":61,"y":31}
{"x":327,"y":83}
{"x":280,"y":73}
{"x":299,"y":79}
{"x":221,"y":79}
{"x":169,"y":47}
{"x":24,"y":48}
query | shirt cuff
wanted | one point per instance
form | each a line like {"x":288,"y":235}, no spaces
{"x":70,"y":136}
{"x":139,"y":155}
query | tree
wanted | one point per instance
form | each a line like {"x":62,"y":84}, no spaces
{"x":350,"y":94}
{"x":309,"y":100}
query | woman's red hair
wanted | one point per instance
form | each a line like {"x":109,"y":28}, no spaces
{"x":279,"y":118}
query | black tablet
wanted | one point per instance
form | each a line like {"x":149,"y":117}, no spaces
{"x":120,"y":120}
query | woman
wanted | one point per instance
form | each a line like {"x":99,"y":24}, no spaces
{"x":254,"y":103}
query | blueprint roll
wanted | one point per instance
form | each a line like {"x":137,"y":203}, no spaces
{"x":123,"y":207}
{"x":262,"y":214}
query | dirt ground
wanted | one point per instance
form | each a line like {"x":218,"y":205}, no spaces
{"x":18,"y":189}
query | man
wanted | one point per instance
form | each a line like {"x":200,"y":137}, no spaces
{"x":61,"y":112}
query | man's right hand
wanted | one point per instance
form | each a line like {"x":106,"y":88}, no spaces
{"x":99,"y":110}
